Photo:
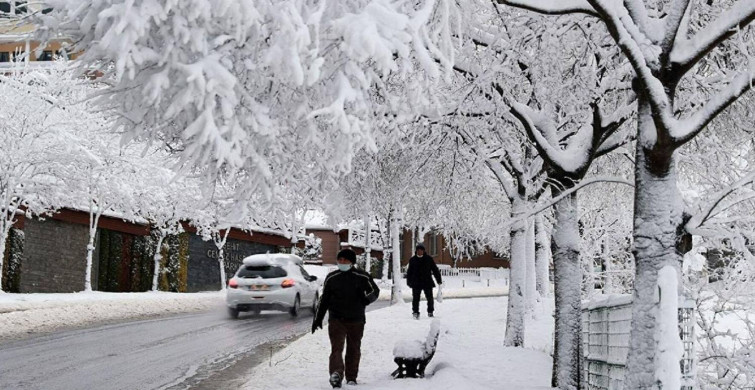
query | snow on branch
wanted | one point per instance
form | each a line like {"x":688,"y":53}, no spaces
{"x":584,"y":183}
{"x":699,"y":219}
{"x":552,"y":7}
{"x":641,"y":52}
{"x":588,"y":142}
{"x":688,"y":128}
{"x":688,"y":52}
{"x":675,"y":21}
{"x":543,"y":131}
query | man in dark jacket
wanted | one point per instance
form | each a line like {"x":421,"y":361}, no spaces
{"x":419,"y":276}
{"x":345,"y":294}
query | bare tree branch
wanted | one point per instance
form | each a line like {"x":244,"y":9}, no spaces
{"x":552,"y":7}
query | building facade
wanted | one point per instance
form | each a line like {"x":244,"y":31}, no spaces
{"x":49,"y":255}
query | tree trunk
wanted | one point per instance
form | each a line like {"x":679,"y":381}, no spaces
{"x":542,"y":257}
{"x":657,"y":222}
{"x":567,"y":279}
{"x":367,"y":246}
{"x":516,"y":309}
{"x":221,"y":263}
{"x":396,"y":295}
{"x":157,"y":257}
{"x":531,"y":283}
{"x":90,"y":253}
{"x":4,"y":230}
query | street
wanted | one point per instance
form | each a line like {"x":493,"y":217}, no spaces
{"x":178,"y":352}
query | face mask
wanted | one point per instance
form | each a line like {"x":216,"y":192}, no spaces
{"x":344,"y":267}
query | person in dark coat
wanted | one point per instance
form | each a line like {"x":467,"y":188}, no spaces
{"x":419,"y":277}
{"x":346,"y":293}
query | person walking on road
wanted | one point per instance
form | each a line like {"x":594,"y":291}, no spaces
{"x":419,"y":277}
{"x":346,"y":293}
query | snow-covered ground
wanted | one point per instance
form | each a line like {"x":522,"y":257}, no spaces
{"x":22,"y":314}
{"x":470,"y":352}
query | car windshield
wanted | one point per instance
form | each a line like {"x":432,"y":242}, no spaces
{"x":261,"y":271}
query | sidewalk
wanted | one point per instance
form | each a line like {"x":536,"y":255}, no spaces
{"x":470,"y":353}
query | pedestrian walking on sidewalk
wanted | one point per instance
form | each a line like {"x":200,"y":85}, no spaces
{"x":346,"y":293}
{"x":419,"y":277}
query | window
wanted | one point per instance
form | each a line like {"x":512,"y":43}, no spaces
{"x":263,"y":271}
{"x":19,"y":56}
{"x":432,"y":244}
{"x":45,"y":56}
{"x":4,"y":56}
{"x":17,"y":7}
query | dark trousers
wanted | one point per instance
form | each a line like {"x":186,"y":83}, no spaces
{"x":350,"y":334}
{"x":416,"y":294}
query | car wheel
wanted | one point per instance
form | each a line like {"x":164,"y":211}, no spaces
{"x":315,"y":302}
{"x":295,"y":308}
{"x":233,"y":313}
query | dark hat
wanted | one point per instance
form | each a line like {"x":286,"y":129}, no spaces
{"x":420,"y":246}
{"x":347,"y":254}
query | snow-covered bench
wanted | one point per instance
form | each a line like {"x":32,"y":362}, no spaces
{"x":413,"y":356}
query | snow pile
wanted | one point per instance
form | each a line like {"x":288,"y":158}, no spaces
{"x":470,"y":353}
{"x":670,"y":347}
{"x":24,"y":314}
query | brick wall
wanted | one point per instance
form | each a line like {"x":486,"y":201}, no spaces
{"x":331,"y":244}
{"x":55,"y":257}
{"x":204,"y":273}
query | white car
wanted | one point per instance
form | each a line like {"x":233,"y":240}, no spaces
{"x":275,"y":281}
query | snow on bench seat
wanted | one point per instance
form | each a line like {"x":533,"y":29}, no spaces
{"x":412,"y":356}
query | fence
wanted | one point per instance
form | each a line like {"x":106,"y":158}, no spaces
{"x":605,"y":342}
{"x":472,"y":274}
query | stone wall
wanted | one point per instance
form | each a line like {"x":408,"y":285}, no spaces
{"x":54,"y":257}
{"x":204,"y":273}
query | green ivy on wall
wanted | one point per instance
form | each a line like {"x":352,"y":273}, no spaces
{"x":175,"y":263}
{"x":13,"y":256}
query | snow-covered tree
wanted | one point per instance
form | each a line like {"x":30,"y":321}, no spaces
{"x":164,"y":200}
{"x":258,"y":86}
{"x":664,"y":41}
{"x":36,"y":152}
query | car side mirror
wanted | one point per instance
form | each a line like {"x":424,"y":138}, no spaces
{"x":312,"y":278}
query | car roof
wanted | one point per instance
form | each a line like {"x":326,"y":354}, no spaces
{"x":272,"y":259}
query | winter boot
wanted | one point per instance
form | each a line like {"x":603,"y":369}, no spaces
{"x":335,"y":380}
{"x":351,"y":383}
{"x":416,"y":316}
{"x":430,"y":314}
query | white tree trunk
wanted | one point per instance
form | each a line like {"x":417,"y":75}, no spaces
{"x":568,"y":289}
{"x":367,"y":246}
{"x":542,"y":257}
{"x":396,"y":293}
{"x":657,"y":219}
{"x":90,"y":254}
{"x":531,"y":283}
{"x":516,"y":308}
{"x":387,"y":255}
{"x":221,"y":263}
{"x":157,"y":257}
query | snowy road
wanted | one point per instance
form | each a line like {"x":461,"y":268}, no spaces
{"x":204,"y":350}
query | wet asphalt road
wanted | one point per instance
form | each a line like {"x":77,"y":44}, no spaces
{"x":207,"y":350}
